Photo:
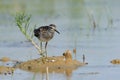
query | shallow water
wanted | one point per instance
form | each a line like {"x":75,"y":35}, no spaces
{"x":74,"y":19}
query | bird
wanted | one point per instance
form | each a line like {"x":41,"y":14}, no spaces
{"x":45,"y":34}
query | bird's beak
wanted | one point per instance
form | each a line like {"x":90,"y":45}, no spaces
{"x":57,"y":31}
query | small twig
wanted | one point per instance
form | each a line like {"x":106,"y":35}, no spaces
{"x":35,"y":45}
{"x":83,"y":58}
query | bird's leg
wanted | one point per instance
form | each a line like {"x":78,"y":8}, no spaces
{"x":46,"y":48}
{"x":41,"y":47}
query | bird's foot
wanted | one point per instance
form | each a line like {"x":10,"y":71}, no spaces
{"x":43,"y":53}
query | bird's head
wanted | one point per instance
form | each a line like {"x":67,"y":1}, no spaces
{"x":53,"y":26}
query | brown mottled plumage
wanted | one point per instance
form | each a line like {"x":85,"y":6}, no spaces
{"x":45,"y":33}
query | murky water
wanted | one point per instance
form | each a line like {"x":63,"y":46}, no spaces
{"x":93,"y":25}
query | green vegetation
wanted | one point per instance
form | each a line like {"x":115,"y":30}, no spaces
{"x":23,"y":21}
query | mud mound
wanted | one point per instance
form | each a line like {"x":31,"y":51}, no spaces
{"x":6,"y":70}
{"x":115,"y":61}
{"x":54,"y":63}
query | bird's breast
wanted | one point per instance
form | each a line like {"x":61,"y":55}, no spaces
{"x":46,"y":36}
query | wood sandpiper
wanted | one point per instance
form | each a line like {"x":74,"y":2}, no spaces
{"x":45,"y":33}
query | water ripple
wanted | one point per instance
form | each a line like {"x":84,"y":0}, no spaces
{"x":15,"y":44}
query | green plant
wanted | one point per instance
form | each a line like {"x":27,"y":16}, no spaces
{"x":23,"y":21}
